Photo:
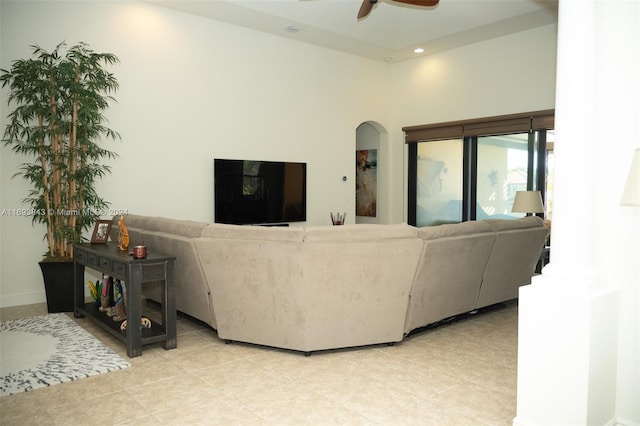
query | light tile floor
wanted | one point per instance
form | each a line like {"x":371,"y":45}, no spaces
{"x":462,"y":373}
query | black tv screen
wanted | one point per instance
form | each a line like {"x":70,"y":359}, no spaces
{"x":259,"y":192}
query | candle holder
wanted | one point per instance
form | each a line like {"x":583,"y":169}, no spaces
{"x":338,"y":218}
{"x":139,"y":252}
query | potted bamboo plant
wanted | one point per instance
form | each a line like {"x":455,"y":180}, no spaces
{"x":58,"y":123}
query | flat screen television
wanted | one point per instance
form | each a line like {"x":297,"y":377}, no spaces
{"x":259,"y":192}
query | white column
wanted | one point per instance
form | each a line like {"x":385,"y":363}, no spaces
{"x":578,"y":321}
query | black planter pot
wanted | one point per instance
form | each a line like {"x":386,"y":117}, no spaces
{"x":58,"y":285}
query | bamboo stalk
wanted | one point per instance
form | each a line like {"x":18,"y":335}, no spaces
{"x":73,"y":137}
{"x":45,"y":184}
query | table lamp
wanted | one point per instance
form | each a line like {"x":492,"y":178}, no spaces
{"x":631,"y":195}
{"x":528,"y":202}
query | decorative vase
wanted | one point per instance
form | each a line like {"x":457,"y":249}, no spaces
{"x":58,"y":285}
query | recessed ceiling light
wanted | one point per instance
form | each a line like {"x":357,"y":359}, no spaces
{"x":418,"y":50}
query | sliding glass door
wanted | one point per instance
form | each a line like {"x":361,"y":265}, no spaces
{"x":472,"y":169}
{"x":473,"y":178}
{"x":439,"y":181}
{"x":502,"y":169}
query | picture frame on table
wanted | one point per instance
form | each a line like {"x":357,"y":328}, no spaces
{"x":101,"y":232}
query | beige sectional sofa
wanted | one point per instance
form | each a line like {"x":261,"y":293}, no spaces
{"x":174,"y":238}
{"x":310,"y":288}
{"x":450,"y":272}
{"x":315,"y":288}
{"x":471,"y":265}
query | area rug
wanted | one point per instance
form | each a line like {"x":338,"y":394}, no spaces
{"x":50,"y":349}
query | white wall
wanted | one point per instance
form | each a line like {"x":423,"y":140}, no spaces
{"x":192,"y":89}
{"x":504,"y":75}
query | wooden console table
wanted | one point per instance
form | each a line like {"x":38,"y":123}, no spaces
{"x":106,"y":258}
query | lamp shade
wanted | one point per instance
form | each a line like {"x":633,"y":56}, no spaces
{"x":631,"y":195}
{"x":528,"y":202}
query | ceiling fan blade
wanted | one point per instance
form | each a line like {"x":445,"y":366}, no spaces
{"x":419,"y":2}
{"x":365,"y":8}
{"x":367,"y":5}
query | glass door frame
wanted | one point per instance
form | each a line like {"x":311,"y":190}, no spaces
{"x":536,"y":173}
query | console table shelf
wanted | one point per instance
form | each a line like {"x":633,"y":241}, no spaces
{"x":156,"y":333}
{"x":109,"y":260}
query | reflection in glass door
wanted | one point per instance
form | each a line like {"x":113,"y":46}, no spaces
{"x":474,"y":178}
{"x":439,"y":182}
{"x":502,"y":170}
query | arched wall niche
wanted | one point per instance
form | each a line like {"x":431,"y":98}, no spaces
{"x":372,"y":183}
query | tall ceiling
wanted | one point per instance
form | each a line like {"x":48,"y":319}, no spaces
{"x":391,"y":31}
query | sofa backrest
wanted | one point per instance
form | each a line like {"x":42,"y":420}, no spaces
{"x":513,"y":258}
{"x":359,"y":232}
{"x":174,"y":237}
{"x":185,"y":228}
{"x":449,"y":275}
{"x":357,"y":281}
{"x":255,"y":275}
{"x":310,"y":288}
{"x":135,"y":225}
{"x":253,"y":232}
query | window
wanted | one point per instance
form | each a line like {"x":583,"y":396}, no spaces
{"x":502,"y":170}
{"x":471,"y":170}
{"x":439,"y":180}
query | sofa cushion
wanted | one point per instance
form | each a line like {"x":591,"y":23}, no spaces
{"x":453,"y":230}
{"x":360,"y":232}
{"x":498,"y":225}
{"x":186,"y":228}
{"x":252,"y":232}
{"x":133,"y":221}
{"x":135,"y":225}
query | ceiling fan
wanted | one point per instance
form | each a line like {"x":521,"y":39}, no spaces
{"x":367,"y":5}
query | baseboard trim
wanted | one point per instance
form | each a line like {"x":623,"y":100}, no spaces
{"x":22,"y":299}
